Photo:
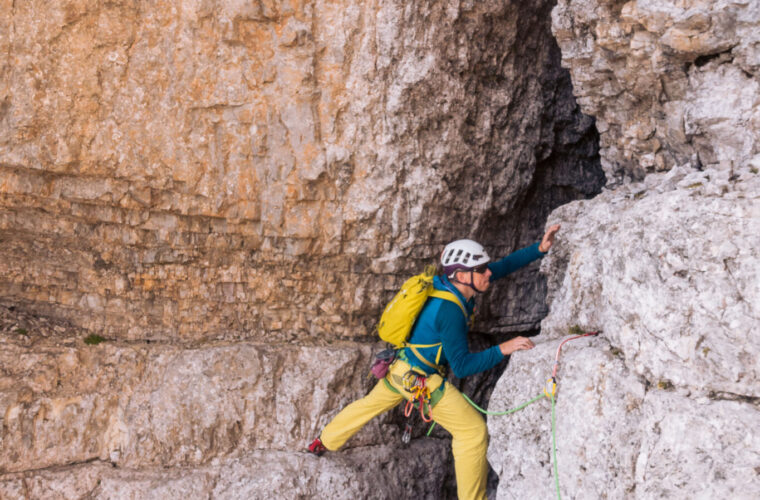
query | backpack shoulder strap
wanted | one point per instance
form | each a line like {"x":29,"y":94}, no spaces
{"x":422,"y":358}
{"x":439,"y":294}
{"x":442,"y":294}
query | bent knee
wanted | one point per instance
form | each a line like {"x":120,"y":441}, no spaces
{"x":473,"y":436}
{"x":481,"y":433}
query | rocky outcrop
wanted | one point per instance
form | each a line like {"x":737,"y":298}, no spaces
{"x":136,"y":405}
{"x":665,"y":402}
{"x":130,"y":420}
{"x":256,"y":476}
{"x":669,"y":83}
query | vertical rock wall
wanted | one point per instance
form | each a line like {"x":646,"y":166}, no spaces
{"x":665,"y":403}
{"x":227,"y":192}
{"x":210,"y":170}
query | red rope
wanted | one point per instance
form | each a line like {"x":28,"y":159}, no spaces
{"x":556,"y":358}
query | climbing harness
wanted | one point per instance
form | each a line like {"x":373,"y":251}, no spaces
{"x":549,"y":391}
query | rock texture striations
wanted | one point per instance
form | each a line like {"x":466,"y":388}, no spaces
{"x":669,"y":83}
{"x":666,"y":402}
{"x":221,"y":195}
{"x":219,"y":170}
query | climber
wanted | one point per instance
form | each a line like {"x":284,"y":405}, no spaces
{"x":441,"y":335}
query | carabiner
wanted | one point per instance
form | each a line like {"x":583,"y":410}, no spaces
{"x":553,"y":382}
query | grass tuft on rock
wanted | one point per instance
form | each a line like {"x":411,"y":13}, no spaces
{"x":665,"y":385}
{"x":94,"y":339}
{"x":575,"y":330}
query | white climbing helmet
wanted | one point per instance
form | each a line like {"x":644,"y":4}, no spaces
{"x":463,"y":254}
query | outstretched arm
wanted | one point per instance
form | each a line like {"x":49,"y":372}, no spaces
{"x":524,"y":256}
{"x":452,"y":326}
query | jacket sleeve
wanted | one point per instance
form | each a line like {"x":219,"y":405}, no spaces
{"x":451,"y":324}
{"x":514,"y":261}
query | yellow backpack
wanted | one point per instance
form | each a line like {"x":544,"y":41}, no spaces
{"x":401,"y":312}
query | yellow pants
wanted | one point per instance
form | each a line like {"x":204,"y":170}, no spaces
{"x":468,"y":429}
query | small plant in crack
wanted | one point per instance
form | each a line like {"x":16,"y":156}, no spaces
{"x":94,"y":339}
{"x":665,"y":385}
{"x":575,"y":330}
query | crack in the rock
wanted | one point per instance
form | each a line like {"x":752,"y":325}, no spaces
{"x":731,"y":396}
{"x":52,"y":468}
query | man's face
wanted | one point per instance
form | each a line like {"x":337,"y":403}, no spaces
{"x":481,"y":280}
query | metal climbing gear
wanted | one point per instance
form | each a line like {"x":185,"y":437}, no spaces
{"x":414,"y":383}
{"x":550,"y":388}
{"x":412,"y":379}
{"x":407,"y":435}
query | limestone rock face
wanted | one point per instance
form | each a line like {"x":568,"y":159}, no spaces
{"x":668,"y":82}
{"x":665,"y":403}
{"x":256,"y":476}
{"x":668,"y":266}
{"x":220,"y":421}
{"x":137,"y":406}
{"x":266,"y":170}
{"x":228,"y":192}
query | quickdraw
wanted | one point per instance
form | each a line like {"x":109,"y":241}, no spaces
{"x":414,"y":383}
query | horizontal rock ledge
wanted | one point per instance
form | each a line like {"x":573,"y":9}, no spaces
{"x":138,"y":405}
{"x":356,"y":473}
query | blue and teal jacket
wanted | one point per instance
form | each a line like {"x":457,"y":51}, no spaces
{"x":442,"y":321}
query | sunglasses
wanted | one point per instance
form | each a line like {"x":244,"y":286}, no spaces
{"x":480,"y":269}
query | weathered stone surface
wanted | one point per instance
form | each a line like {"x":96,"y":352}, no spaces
{"x":257,"y":475}
{"x":617,"y":435}
{"x":224,"y":170}
{"x":665,"y":402}
{"x":597,"y":413}
{"x":668,"y":82}
{"x":667,"y":266}
{"x":224,"y":420}
{"x":137,"y":405}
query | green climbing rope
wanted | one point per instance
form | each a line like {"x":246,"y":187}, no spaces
{"x":518,"y":408}
{"x":486,"y":412}
{"x":546,"y":393}
{"x":554,"y":447}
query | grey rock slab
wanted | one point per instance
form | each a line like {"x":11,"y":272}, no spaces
{"x":136,"y":405}
{"x":597,"y":404}
{"x":387,"y":471}
{"x":670,"y":274}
